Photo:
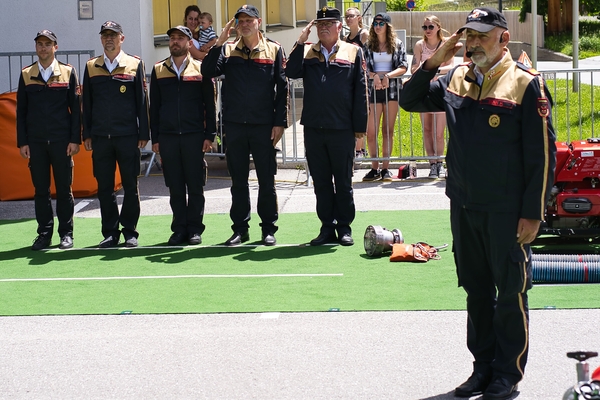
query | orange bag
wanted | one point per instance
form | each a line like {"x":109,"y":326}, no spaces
{"x":420,"y":251}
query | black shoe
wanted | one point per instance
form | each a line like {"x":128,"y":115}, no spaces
{"x":41,"y":242}
{"x":386,"y":175}
{"x":269,"y":240}
{"x":194,"y":238}
{"x":66,"y":242}
{"x":323,"y":238}
{"x":499,"y":389}
{"x":177,"y":238}
{"x":475,"y":385}
{"x":237,"y":238}
{"x":372,"y":175}
{"x":346,"y":240}
{"x":131,"y":242}
{"x":109,"y":241}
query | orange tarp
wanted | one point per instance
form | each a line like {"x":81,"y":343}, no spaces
{"x":15,"y":179}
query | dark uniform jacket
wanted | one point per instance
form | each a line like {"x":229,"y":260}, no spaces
{"x":335,"y":93}
{"x":115,"y":104}
{"x":501,"y":151}
{"x":180,"y":105}
{"x":255,"y":89}
{"x":48,"y":111}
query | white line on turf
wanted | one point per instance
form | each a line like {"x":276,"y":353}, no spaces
{"x":116,"y":278}
{"x":81,"y":205}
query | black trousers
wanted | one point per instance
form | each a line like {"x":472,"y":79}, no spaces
{"x":184,"y":172}
{"x":107,"y":153}
{"x":495,"y":271}
{"x":330,"y":156}
{"x":243,"y":139}
{"x":43,"y":157}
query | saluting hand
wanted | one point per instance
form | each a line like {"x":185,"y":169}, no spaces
{"x":446,"y":52}
{"x":305,"y":32}
{"x":225,"y":33}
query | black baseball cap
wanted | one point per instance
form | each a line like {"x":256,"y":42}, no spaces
{"x":247,"y":9}
{"x":183,"y":29}
{"x":111,"y":26}
{"x":484,"y":19}
{"x":385,"y":17}
{"x":329,"y":14}
{"x":46,"y":33}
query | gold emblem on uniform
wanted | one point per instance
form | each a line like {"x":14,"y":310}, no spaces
{"x":123,"y":89}
{"x":494,"y":121}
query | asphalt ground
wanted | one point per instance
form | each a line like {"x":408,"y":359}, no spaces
{"x":335,"y":355}
{"x":343,"y":355}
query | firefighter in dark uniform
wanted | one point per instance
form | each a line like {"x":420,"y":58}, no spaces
{"x":116,"y":126}
{"x":501,"y":159}
{"x":182,"y":120}
{"x":334,"y":114}
{"x":254,"y":116}
{"x":48,"y":135}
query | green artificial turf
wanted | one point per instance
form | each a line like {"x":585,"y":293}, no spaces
{"x":211,"y":278}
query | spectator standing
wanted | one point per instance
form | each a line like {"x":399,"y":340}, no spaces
{"x":116,"y":127}
{"x":495,"y":212}
{"x":433,"y":124}
{"x":358,"y":35}
{"x":386,"y":59}
{"x":254,"y":116}
{"x":191,"y":20}
{"x":182,"y":118}
{"x":49,"y":135}
{"x":333,"y":115}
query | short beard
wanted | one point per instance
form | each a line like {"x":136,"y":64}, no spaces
{"x":178,"y":53}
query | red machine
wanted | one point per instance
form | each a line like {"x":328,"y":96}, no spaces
{"x":573,"y":209}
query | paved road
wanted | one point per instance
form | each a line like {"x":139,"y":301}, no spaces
{"x":366,"y":355}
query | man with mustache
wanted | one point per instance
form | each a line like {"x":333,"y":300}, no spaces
{"x":182,"y":118}
{"x":255,"y":94}
{"x":116,"y":127}
{"x":501,"y":160}
{"x":334,"y":114}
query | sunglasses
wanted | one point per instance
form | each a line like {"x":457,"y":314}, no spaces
{"x":380,"y":23}
{"x":350,"y":16}
{"x":430,"y":27}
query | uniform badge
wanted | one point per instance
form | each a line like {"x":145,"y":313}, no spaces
{"x":494,"y":120}
{"x":123,"y":89}
{"x":542,"y":107}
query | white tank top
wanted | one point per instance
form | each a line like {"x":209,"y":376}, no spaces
{"x":382,"y":61}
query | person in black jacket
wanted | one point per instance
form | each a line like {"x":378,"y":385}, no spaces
{"x":48,"y":135}
{"x":501,"y":159}
{"x":333,"y":114}
{"x":182,"y":120}
{"x":116,"y":127}
{"x":255,"y":94}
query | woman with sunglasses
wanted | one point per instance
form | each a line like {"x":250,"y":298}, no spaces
{"x":433,"y":123}
{"x":358,"y":35}
{"x":386,"y":60}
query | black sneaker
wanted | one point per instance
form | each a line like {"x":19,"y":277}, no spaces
{"x":386,"y":175}
{"x":372,"y":175}
{"x":41,"y":242}
{"x":66,"y":242}
{"x":433,"y":171}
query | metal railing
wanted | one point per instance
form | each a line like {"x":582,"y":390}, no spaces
{"x":12,"y":63}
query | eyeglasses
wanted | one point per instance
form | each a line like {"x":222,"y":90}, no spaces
{"x":380,"y":23}
{"x":111,"y":35}
{"x":327,"y":24}
{"x":350,"y":16}
{"x":430,"y":27}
